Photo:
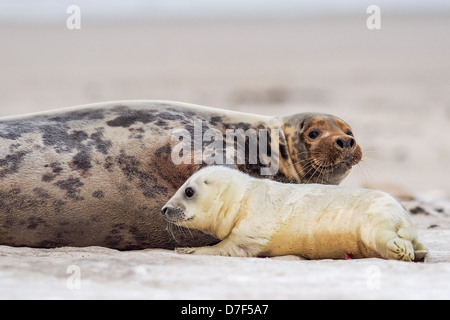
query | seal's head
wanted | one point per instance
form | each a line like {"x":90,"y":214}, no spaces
{"x":322,"y":147}
{"x":206,"y":199}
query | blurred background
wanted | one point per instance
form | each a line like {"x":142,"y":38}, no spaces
{"x":391,"y":85}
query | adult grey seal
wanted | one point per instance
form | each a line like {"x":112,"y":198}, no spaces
{"x":99,"y":174}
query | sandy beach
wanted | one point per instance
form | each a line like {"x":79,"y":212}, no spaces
{"x":391,"y":85}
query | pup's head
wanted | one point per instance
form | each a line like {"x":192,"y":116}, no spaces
{"x":198,"y":201}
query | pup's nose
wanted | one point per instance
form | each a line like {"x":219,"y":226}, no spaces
{"x":343,"y":143}
{"x":165,"y":210}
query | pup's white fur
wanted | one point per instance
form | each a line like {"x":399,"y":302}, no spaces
{"x":255,"y":217}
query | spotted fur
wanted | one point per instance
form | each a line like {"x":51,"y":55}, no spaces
{"x":99,"y":174}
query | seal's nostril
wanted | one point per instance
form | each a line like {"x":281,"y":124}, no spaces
{"x":164,"y":211}
{"x":352,"y":142}
{"x":348,"y":143}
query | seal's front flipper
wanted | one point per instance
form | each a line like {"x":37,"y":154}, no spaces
{"x":210,"y":251}
{"x":227,"y":247}
{"x":185,"y":250}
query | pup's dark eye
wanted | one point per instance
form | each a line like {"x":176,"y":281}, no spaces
{"x":313,"y":134}
{"x":189,"y":192}
{"x":349,"y":133}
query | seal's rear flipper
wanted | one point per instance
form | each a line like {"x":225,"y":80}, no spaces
{"x":420,"y":252}
{"x":420,"y":255}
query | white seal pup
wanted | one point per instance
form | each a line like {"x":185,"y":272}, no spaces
{"x":261,"y":217}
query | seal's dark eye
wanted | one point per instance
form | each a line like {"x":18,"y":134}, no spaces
{"x":349,"y":133}
{"x":189,"y":192}
{"x":313,"y":134}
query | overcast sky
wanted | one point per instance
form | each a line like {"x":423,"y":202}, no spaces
{"x":51,"y":10}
